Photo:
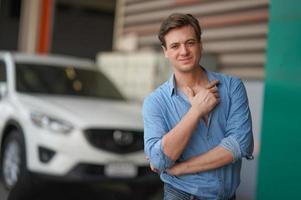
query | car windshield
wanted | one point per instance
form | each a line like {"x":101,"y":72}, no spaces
{"x":64,"y":80}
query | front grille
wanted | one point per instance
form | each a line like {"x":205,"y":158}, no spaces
{"x":117,"y":141}
{"x":90,"y":172}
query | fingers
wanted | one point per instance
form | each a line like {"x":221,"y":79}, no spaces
{"x":189,"y":92}
{"x":216,"y":95}
{"x":212,"y":84}
{"x":213,"y":89}
{"x":154,"y":169}
{"x":151,"y":166}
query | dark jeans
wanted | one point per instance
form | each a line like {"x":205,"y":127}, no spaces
{"x":171,"y":193}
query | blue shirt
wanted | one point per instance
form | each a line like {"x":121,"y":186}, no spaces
{"x":229,"y":126}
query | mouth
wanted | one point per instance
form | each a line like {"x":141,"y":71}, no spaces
{"x":185,"y":59}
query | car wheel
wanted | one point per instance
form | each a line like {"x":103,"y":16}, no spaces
{"x":13,"y":167}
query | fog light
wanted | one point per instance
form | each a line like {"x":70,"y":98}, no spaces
{"x":45,"y":154}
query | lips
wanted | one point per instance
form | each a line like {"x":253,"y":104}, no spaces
{"x":185,"y":59}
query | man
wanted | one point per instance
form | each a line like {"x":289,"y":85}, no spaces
{"x":197,"y":125}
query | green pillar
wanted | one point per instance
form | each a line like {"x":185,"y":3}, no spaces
{"x":279,"y":175}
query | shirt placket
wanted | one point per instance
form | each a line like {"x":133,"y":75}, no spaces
{"x":208,"y":135}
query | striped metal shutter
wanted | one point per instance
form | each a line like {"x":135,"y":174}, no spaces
{"x":234,"y":31}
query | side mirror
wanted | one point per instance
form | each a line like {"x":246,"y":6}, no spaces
{"x":3,"y":90}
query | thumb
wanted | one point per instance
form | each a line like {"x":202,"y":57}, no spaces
{"x":189,"y":93}
{"x":212,"y":84}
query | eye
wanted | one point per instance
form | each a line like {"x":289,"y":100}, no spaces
{"x":174,"y":46}
{"x":191,"y":43}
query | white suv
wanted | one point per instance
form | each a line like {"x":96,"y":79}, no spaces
{"x":62,"y":117}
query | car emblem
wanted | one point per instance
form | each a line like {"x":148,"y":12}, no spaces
{"x":123,"y":138}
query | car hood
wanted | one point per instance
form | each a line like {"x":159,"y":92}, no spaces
{"x":86,"y":112}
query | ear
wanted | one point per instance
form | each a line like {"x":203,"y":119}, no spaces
{"x":165,"y":51}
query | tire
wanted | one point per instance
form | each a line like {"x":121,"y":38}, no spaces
{"x":13,"y":161}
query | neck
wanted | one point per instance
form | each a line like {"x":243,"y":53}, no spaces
{"x":192,"y":79}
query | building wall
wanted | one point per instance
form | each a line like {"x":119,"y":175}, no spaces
{"x":81,"y":30}
{"x":234,"y":31}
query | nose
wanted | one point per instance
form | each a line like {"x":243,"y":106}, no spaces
{"x":184,"y":50}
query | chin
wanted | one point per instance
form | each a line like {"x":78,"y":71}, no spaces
{"x":186,"y":68}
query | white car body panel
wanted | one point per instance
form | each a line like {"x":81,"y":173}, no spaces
{"x":71,"y":148}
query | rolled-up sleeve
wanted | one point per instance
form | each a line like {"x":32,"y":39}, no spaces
{"x":154,"y":129}
{"x":238,"y":137}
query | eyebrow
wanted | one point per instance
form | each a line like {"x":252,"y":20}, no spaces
{"x":175,"y":43}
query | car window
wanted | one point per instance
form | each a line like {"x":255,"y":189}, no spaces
{"x":2,"y":71}
{"x":64,"y":80}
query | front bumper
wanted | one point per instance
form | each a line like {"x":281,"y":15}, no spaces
{"x":74,"y":157}
{"x":91,"y":173}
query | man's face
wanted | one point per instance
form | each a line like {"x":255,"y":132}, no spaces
{"x":183,"y":49}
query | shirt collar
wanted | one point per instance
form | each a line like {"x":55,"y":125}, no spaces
{"x":172,"y":85}
{"x":172,"y":81}
{"x":209,"y":74}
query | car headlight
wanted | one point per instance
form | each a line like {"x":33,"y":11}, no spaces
{"x":50,"y":123}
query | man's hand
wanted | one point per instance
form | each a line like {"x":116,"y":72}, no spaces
{"x":205,"y":100}
{"x":152,"y":167}
{"x":176,"y":170}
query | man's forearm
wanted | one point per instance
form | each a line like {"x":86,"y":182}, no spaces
{"x":213,"y":159}
{"x":175,"y":141}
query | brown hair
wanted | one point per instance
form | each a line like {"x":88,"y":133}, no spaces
{"x":178,"y":20}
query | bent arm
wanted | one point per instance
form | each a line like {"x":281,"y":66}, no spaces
{"x":202,"y":103}
{"x":175,"y":141}
{"x":163,"y":147}
{"x":238,"y":141}
{"x":215,"y":158}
